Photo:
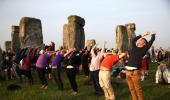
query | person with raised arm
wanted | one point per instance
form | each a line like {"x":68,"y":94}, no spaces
{"x":139,"y":48}
{"x":107,"y":64}
{"x":94,"y":68}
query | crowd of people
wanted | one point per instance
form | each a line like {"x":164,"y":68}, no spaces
{"x":98,"y":65}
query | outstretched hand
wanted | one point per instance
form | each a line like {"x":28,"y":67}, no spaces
{"x":147,"y":33}
{"x":152,"y":33}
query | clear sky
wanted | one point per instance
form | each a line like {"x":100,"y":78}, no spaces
{"x":101,"y":18}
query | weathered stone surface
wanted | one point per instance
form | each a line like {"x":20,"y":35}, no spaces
{"x":90,"y":43}
{"x":15,"y":45}
{"x":121,"y":38}
{"x":8,"y":45}
{"x":130,"y":27}
{"x":73,"y":33}
{"x":30,"y":32}
{"x":76,"y":19}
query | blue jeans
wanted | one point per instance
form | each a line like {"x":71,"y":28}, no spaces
{"x":57,"y":77}
{"x":94,"y":75}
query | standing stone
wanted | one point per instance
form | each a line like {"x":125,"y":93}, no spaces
{"x":15,"y":38}
{"x":30,"y":32}
{"x":90,"y":43}
{"x":121,"y":38}
{"x":8,"y":46}
{"x":73,"y":33}
{"x":130,"y":27}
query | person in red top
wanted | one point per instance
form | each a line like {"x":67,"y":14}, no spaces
{"x":26,"y":65}
{"x":52,"y":46}
{"x":144,"y":68}
{"x":109,"y":61}
{"x":104,"y":74}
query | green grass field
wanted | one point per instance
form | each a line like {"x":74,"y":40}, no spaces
{"x":151,"y":91}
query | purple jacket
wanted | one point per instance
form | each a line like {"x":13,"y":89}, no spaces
{"x":42,"y":61}
{"x":57,"y":60}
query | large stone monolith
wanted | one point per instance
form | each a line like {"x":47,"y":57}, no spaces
{"x":90,"y":43}
{"x":121,"y":38}
{"x":30,"y":32}
{"x":130,"y":27}
{"x":15,"y":45}
{"x":73,"y":33}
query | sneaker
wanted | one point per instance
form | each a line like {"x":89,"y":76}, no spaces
{"x":46,"y":87}
{"x":42,"y":86}
{"x":142,"y":78}
{"x":74,"y":93}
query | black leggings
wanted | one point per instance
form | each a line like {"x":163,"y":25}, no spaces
{"x":29,"y":76}
{"x":57,"y":78}
{"x":41,"y":74}
{"x":71,"y":74}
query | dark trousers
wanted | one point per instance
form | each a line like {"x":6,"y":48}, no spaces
{"x":86,"y":69}
{"x":9,"y":75}
{"x":29,"y":76}
{"x":18,"y":70}
{"x":41,"y":74}
{"x":71,"y":74}
{"x":57,"y":78}
{"x":94,"y":75}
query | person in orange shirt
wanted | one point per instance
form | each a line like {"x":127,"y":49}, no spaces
{"x":105,"y":72}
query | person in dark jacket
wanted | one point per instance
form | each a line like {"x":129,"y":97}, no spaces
{"x":139,"y":48}
{"x":85,"y":61}
{"x":73,"y":57}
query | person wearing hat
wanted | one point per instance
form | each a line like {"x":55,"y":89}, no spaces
{"x":139,"y":48}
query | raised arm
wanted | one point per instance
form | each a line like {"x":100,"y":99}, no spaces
{"x":92,"y":51}
{"x":149,"y":44}
{"x":103,"y":48}
{"x":69,"y":52}
{"x":122,"y":55}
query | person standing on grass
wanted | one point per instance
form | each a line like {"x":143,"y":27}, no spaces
{"x":139,"y":48}
{"x":105,"y":72}
{"x":145,"y":65}
{"x":41,"y":64}
{"x":56,"y":68}
{"x":160,"y":55}
{"x":85,"y":61}
{"x":7,"y":66}
{"x":72,"y":59}
{"x":26,"y":65}
{"x":153,"y":54}
{"x":94,"y":68}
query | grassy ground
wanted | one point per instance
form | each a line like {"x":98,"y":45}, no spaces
{"x":151,"y":91}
